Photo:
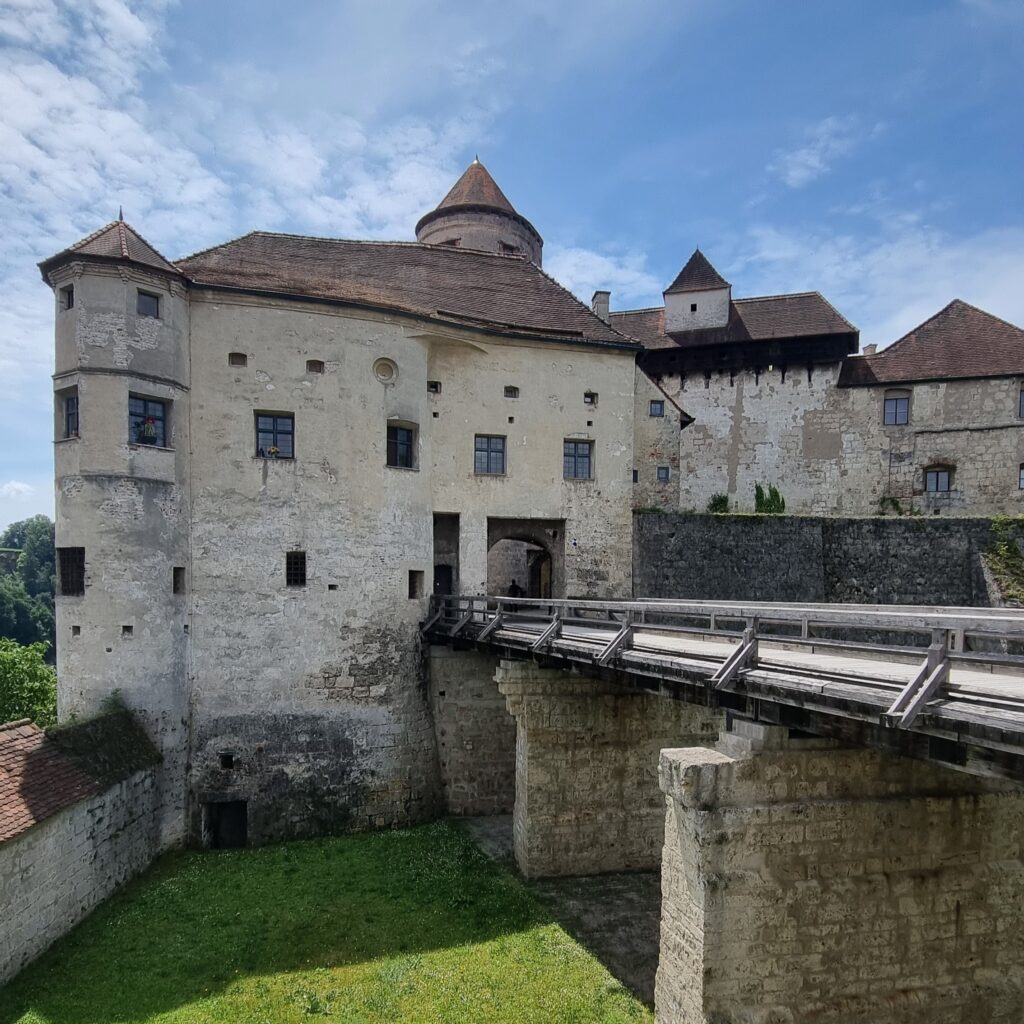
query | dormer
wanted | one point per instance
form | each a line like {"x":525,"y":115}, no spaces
{"x":698,"y":298}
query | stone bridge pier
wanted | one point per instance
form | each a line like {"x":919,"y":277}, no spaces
{"x":804,"y":882}
{"x":587,"y":798}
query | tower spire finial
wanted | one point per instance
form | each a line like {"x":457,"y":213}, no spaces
{"x":120,"y":213}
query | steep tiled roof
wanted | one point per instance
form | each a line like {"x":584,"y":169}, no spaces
{"x":698,"y":275}
{"x":768,"y":318}
{"x":36,"y":779}
{"x":116,"y":241}
{"x":506,"y":293}
{"x":476,"y":187}
{"x":959,"y":341}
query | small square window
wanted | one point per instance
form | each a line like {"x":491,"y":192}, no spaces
{"x":76,"y":630}
{"x":295,"y":568}
{"x":693,"y":307}
{"x":577,"y":460}
{"x":401,"y":447}
{"x":275,"y":435}
{"x":178,"y":579}
{"x":147,"y":421}
{"x":657,"y":407}
{"x":937,"y":480}
{"x":590,"y":398}
{"x":67,"y":297}
{"x":147,"y":304}
{"x":434,"y":387}
{"x":511,"y":391}
{"x":127,"y":630}
{"x":489,"y":455}
{"x":71,"y":571}
{"x":227,"y":761}
{"x":314,"y":366}
{"x":663,"y":474}
{"x":238,"y":359}
{"x":71,"y":414}
{"x":415,"y":583}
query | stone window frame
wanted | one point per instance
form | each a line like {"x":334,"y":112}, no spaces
{"x":67,"y":414}
{"x":895,"y":396}
{"x":937,"y":471}
{"x":402,"y":444}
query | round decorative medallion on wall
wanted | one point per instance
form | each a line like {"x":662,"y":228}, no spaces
{"x":385,"y":371}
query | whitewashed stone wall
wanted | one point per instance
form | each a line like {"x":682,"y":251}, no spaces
{"x":52,"y":875}
{"x":656,"y":443}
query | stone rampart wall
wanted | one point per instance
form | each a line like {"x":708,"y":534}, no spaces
{"x":880,"y":560}
{"x":52,"y":875}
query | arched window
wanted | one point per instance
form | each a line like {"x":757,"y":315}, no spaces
{"x":896,"y":408}
{"x":938,"y":479}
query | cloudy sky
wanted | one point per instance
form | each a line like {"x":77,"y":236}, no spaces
{"x":871,"y":150}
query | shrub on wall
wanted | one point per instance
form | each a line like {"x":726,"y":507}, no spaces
{"x":719,"y":503}
{"x":769,"y":502}
{"x":28,"y":686}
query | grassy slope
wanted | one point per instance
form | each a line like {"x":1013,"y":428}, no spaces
{"x":396,"y":926}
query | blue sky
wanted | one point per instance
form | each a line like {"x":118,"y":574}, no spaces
{"x":873,"y":151}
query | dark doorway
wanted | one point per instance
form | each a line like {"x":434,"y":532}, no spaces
{"x":444,"y":578}
{"x":228,"y":824}
{"x":529,"y":551}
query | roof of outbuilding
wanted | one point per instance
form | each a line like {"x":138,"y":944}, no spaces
{"x":36,"y":779}
{"x":117,"y":240}
{"x":766,"y":318}
{"x":960,"y":341}
{"x":698,"y":275}
{"x":461,"y":286}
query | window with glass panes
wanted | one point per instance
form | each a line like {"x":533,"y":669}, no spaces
{"x":71,"y":416}
{"x":1021,"y":478}
{"x":401,"y":446}
{"x":937,"y":480}
{"x":577,"y":459}
{"x":657,"y":407}
{"x":147,"y":421}
{"x":897,"y":409}
{"x":489,"y":455}
{"x":275,"y":435}
{"x":1020,"y":404}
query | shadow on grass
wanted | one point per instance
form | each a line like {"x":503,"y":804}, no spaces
{"x":199,"y":922}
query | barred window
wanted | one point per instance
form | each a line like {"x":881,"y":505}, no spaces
{"x":147,"y":421}
{"x":295,"y":568}
{"x":511,"y":391}
{"x":71,"y":571}
{"x":401,"y":446}
{"x":489,"y":455}
{"x":577,"y":459}
{"x":275,"y":435}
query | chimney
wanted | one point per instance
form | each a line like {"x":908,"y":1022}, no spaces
{"x":599,"y":304}
{"x":869,"y":350}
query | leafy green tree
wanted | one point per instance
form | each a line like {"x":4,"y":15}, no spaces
{"x":769,"y":502}
{"x":26,"y":594}
{"x":28,"y":686}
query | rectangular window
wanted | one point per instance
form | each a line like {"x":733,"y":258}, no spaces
{"x":577,"y":459}
{"x":275,"y":435}
{"x":415,"y":583}
{"x":295,"y":568}
{"x":67,"y":297}
{"x":71,"y":415}
{"x":657,"y":407}
{"x":1020,"y":404}
{"x":511,"y":391}
{"x":434,"y":387}
{"x":897,"y":411}
{"x":71,"y":571}
{"x":636,"y":476}
{"x":663,"y":474}
{"x":489,"y":455}
{"x":237,"y":359}
{"x":147,"y":421}
{"x":1021,"y":478}
{"x":936,"y":481}
{"x":147,"y":304}
{"x":401,"y":446}
{"x":178,"y":579}
{"x":590,"y":398}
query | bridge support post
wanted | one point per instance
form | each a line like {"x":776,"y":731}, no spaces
{"x":587,"y":796}
{"x":805,"y":882}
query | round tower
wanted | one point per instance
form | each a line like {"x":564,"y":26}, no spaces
{"x":121,"y":421}
{"x":476,"y":215}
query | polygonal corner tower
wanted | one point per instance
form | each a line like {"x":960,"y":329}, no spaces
{"x":476,"y":215}
{"x":121,"y":394}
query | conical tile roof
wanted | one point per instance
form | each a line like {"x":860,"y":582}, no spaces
{"x":117,"y":240}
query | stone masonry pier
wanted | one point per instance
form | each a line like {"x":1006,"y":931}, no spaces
{"x":806,"y":882}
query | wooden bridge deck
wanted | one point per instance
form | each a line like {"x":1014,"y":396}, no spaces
{"x":945,"y":684}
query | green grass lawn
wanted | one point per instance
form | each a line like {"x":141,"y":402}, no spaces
{"x":385,"y":927}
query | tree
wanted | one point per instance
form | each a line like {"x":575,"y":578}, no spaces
{"x":26,"y":594}
{"x":28,"y":686}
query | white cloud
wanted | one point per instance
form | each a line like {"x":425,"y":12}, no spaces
{"x":16,"y":489}
{"x":825,"y":142}
{"x":584,"y":271}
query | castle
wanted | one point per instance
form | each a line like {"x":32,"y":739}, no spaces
{"x":269,"y":453}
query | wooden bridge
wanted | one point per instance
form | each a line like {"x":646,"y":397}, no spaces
{"x":942,"y":684}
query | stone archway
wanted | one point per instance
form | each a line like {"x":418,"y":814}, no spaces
{"x":532,"y":551}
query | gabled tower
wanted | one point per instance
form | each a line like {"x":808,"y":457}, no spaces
{"x":698,"y":298}
{"x":121,"y":423}
{"x":476,"y":215}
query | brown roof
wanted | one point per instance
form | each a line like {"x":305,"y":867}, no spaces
{"x":36,"y":779}
{"x":959,"y":341}
{"x":461,"y":286}
{"x":476,"y":187}
{"x":698,"y":275}
{"x":767,"y":318}
{"x":116,"y":241}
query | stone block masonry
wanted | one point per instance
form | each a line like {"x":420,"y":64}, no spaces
{"x":804,"y":882}
{"x":476,"y":735}
{"x":587,"y":798}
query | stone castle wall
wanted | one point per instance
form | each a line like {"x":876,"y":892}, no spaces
{"x":879,"y":560}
